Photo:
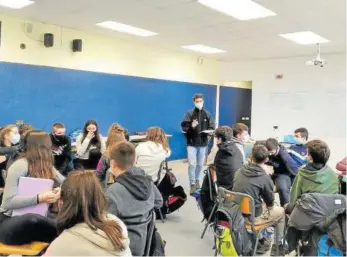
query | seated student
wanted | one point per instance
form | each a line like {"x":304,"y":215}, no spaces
{"x":36,"y":162}
{"x":150,"y":154}
{"x":9,"y":139}
{"x":90,"y":146}
{"x":285,"y":169}
{"x":315,"y":177}
{"x":115,"y":135}
{"x":252,"y":179}
{"x":240,"y":133}
{"x":83,"y":221}
{"x":228,"y":158}
{"x":299,"y":151}
{"x":133,"y":196}
{"x":61,"y":148}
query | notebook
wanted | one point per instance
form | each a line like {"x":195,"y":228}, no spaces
{"x":31,"y":187}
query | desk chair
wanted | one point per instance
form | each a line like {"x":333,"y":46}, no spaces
{"x":212,"y":186}
{"x":247,"y":208}
{"x":32,"y":249}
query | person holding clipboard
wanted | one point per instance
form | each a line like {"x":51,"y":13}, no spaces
{"x":197,"y":125}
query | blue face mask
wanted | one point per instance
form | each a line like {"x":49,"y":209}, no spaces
{"x":15,"y":139}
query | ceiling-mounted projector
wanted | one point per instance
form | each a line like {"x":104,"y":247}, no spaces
{"x":317,"y":61}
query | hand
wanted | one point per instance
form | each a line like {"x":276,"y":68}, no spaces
{"x":50,"y":196}
{"x":90,"y":135}
{"x":195,"y":123}
{"x":269,"y":170}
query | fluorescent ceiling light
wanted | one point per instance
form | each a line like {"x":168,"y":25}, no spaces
{"x":204,"y":49}
{"x":239,"y":9}
{"x":15,"y":4}
{"x":120,"y":27}
{"x":305,"y":38}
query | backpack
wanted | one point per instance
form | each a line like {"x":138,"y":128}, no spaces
{"x":231,"y":235}
{"x":157,"y":247}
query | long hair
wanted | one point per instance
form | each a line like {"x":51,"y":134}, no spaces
{"x":116,"y":134}
{"x":158,"y":136}
{"x":84,"y":202}
{"x":96,"y":140}
{"x":38,"y":153}
{"x":4,"y":132}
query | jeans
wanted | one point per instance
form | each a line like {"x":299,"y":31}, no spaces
{"x":196,"y":159}
{"x":283,"y":183}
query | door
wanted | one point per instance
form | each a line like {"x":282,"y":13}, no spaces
{"x":235,"y":105}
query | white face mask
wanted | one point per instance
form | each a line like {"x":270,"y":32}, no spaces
{"x":199,"y":105}
{"x":246,"y":138}
{"x":15,"y":139}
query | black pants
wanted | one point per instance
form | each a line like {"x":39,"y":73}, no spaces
{"x":88,"y":164}
{"x":283,"y":183}
{"x":27,"y":228}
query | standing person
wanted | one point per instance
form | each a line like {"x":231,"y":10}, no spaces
{"x":240,"y":132}
{"x":116,"y":134}
{"x":9,"y":146}
{"x":36,"y":162}
{"x":194,"y":123}
{"x":83,"y":220}
{"x":228,"y":158}
{"x":90,"y":146}
{"x":61,"y":148}
{"x":285,"y":168}
{"x":151,"y":154}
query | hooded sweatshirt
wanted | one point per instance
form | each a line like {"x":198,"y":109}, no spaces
{"x":241,"y":147}
{"x":132,"y":198}
{"x":227,"y":161}
{"x":314,"y":178}
{"x":252,"y":179}
{"x":88,"y":242}
{"x":149,"y":157}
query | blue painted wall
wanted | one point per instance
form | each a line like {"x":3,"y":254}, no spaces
{"x":44,"y":95}
{"x":234,"y":103}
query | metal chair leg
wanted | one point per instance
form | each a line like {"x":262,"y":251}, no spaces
{"x":208,"y":221}
{"x":161,"y":215}
{"x":256,"y":243}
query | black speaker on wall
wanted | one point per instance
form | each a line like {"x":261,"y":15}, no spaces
{"x":48,"y":39}
{"x":77,"y":45}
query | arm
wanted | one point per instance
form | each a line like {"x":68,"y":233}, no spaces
{"x":268,"y":193}
{"x":103,"y":144}
{"x":289,"y":162}
{"x":168,"y":154}
{"x":11,"y":200}
{"x":59,"y":178}
{"x":111,"y":204}
{"x":295,"y":191}
{"x":67,"y":154}
{"x":186,"y":122}
{"x":8,"y":150}
{"x":341,"y":166}
{"x":158,"y":199}
{"x":82,"y":147}
{"x":211,"y":122}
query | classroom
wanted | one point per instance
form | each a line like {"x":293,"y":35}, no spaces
{"x":158,"y":112}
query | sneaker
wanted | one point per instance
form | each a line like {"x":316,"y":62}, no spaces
{"x":282,"y":250}
{"x":197,"y":184}
{"x":263,"y":246}
{"x":192,"y":188}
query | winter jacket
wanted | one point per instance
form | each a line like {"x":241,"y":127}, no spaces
{"x":88,"y":242}
{"x":341,"y":166}
{"x":283,"y":163}
{"x":299,"y":154}
{"x":314,"y":178}
{"x":227,"y":161}
{"x":194,"y":136}
{"x":149,"y":157}
{"x":252,"y":179}
{"x":132,"y":198}
{"x":61,"y":148}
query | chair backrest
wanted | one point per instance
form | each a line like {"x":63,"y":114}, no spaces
{"x":246,"y":202}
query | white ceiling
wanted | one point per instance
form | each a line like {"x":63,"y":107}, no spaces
{"x":185,"y":22}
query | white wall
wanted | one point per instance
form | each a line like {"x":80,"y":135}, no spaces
{"x":102,"y":54}
{"x":312,"y":97}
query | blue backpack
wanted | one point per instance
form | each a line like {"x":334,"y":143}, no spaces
{"x":327,"y":248}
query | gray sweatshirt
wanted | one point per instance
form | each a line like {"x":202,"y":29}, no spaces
{"x":132,"y":198}
{"x":10,"y":199}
